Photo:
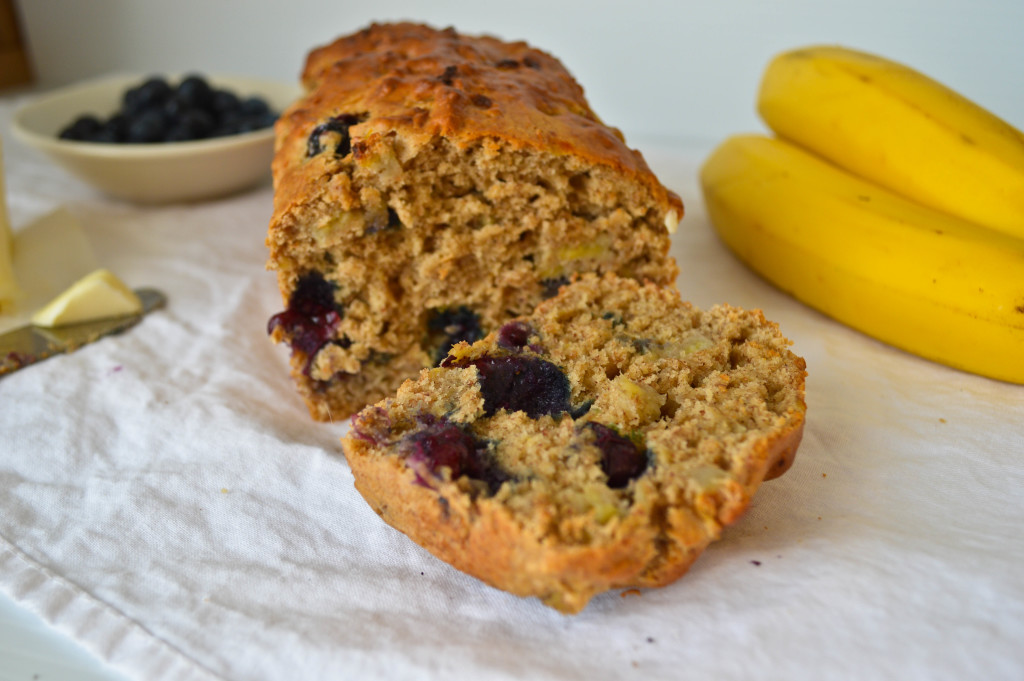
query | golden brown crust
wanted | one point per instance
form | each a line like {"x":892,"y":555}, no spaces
{"x":716,"y":398}
{"x":484,"y":541}
{"x":418,"y":83}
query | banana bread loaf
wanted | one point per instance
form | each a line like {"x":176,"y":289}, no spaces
{"x":428,"y":187}
{"x":601,"y":442}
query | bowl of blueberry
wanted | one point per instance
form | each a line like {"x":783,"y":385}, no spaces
{"x":159,"y":139}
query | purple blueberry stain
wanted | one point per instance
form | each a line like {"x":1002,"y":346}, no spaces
{"x":514,"y":335}
{"x":368,"y":425}
{"x":621,"y":459}
{"x":450,"y":325}
{"x":440,"y":443}
{"x":435,"y":448}
{"x":311,"y":318}
{"x":520,"y":383}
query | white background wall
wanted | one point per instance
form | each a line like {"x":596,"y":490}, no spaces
{"x":655,"y":68}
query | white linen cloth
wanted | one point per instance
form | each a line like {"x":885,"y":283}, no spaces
{"x":166,"y":500}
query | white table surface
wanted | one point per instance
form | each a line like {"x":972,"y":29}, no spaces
{"x":892,"y":548}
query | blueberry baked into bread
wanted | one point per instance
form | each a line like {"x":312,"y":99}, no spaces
{"x":601,"y":442}
{"x":430,"y":186}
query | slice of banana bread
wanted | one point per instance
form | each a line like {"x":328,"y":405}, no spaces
{"x":601,"y":442}
{"x":428,"y":187}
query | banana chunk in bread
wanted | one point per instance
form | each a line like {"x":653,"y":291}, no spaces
{"x":601,"y":442}
{"x":428,"y":187}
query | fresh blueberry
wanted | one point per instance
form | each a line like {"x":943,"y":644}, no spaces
{"x":173,"y":108}
{"x":254,"y":107}
{"x":130,"y":104}
{"x":82,"y":129}
{"x":194,"y":92}
{"x":152,"y":93}
{"x":156,"y":111}
{"x":113,"y":131}
{"x":193,"y":124}
{"x":224,"y":101}
{"x":229,"y":123}
{"x":256,"y":122}
{"x":148,"y":127}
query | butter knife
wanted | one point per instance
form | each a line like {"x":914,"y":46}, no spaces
{"x":31,"y":344}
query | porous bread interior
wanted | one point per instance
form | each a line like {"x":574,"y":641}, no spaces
{"x":707,"y":393}
{"x":488,"y":226}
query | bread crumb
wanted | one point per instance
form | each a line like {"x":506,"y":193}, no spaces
{"x":630,"y":592}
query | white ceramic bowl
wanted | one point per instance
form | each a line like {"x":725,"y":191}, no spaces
{"x":152,"y":173}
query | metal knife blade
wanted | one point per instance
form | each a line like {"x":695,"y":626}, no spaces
{"x":31,"y":344}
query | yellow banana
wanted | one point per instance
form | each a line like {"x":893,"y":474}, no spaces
{"x":8,"y":286}
{"x":899,"y":128}
{"x":913,"y":277}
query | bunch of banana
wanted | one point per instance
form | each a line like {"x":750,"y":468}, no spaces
{"x":900,"y":129}
{"x":887,"y":202}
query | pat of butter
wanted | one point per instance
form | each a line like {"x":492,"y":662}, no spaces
{"x":50,"y":254}
{"x":99,"y":295}
{"x":9,"y":290}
